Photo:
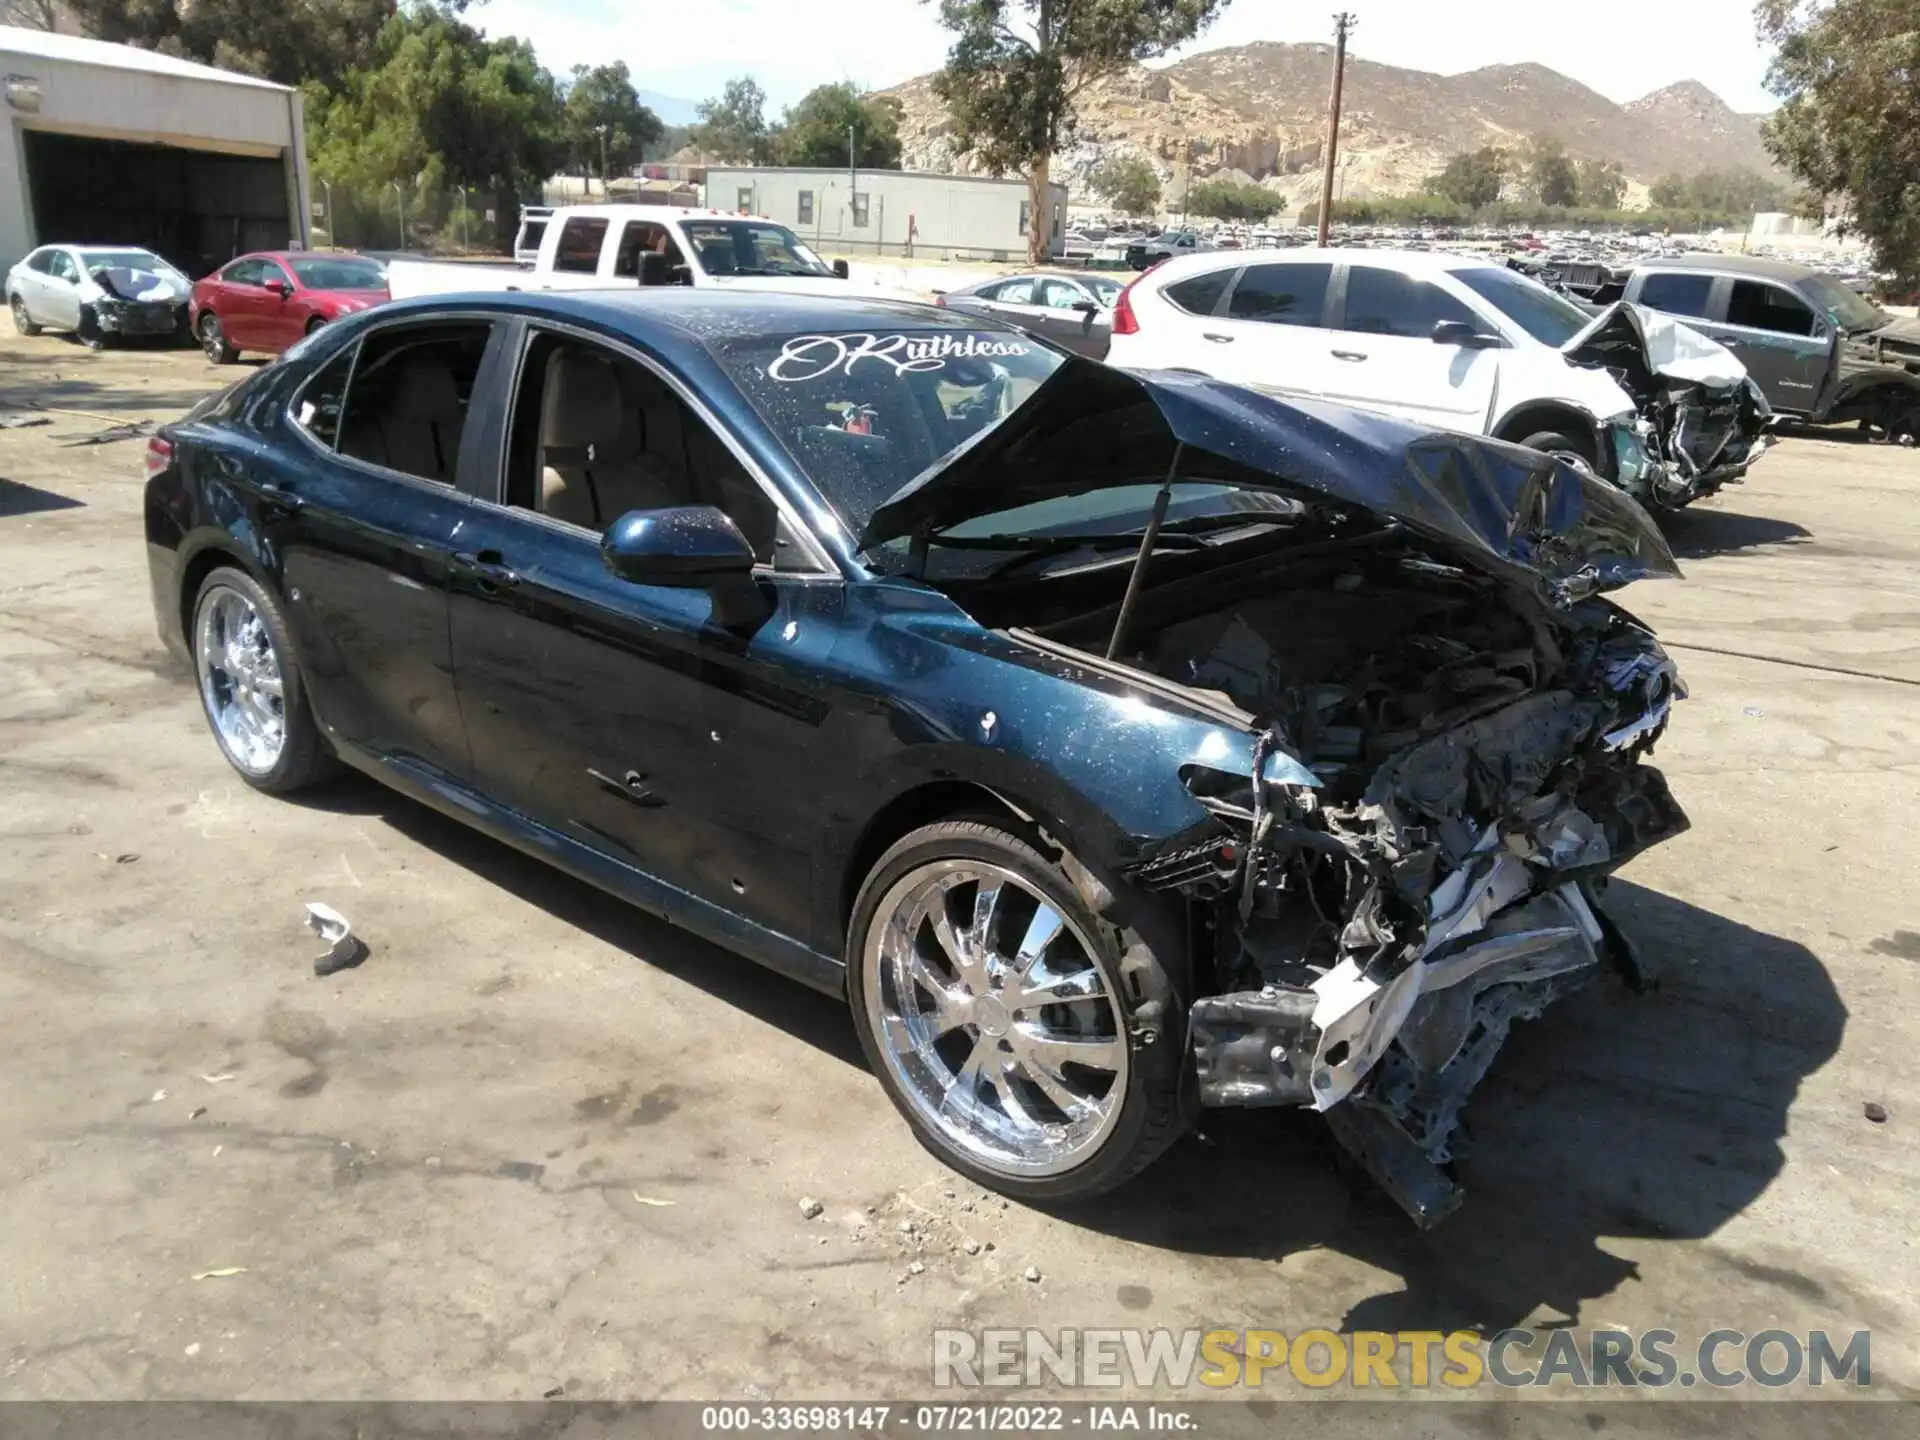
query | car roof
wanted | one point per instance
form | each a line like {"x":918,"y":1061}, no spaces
{"x":1411,"y":262}
{"x":1734,"y":265}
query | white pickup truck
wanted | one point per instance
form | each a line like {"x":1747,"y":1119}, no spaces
{"x":600,"y":247}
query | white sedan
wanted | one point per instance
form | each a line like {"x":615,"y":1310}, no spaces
{"x":98,"y":292}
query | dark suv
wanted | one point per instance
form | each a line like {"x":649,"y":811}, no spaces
{"x":1818,"y":350}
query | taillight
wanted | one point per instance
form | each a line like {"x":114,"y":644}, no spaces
{"x":159,"y":456}
{"x":1125,"y":322}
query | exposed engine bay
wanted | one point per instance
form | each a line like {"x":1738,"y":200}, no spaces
{"x":1371,"y":938}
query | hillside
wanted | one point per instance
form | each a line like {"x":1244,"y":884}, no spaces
{"x":1258,"y":111}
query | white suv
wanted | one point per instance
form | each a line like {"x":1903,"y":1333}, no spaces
{"x":1447,"y":340}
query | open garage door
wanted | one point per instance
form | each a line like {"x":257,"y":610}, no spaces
{"x":197,"y":208}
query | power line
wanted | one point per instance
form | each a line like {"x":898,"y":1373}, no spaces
{"x":1343,"y":24}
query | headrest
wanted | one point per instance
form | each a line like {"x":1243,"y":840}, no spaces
{"x":580,"y":402}
{"x":423,"y":390}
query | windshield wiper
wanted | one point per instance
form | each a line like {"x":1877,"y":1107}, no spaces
{"x":1054,"y":546}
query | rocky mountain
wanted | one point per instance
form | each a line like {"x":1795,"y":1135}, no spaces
{"x":1258,"y":112}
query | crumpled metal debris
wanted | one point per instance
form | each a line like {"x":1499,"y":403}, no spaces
{"x":344,"y":949}
{"x":23,"y":422}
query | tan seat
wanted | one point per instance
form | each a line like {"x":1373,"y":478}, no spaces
{"x":588,"y":477}
{"x":416,"y":424}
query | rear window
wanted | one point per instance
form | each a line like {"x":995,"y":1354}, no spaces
{"x":1201,"y":294}
{"x":1281,"y":294}
{"x":579,"y":248}
{"x":1677,"y":294}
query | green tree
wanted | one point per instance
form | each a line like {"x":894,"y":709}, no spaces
{"x":1670,"y":192}
{"x":1126,"y":182}
{"x":607,"y":127}
{"x":814,"y":132}
{"x":733,"y":126}
{"x":291,"y":41}
{"x":1848,"y":125}
{"x":1602,"y":185}
{"x":1472,"y":179}
{"x":1017,"y":68}
{"x":1222,"y":199}
{"x":439,"y":105}
{"x":1550,"y":174}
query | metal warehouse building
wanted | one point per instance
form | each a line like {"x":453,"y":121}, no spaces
{"x":109,"y":144}
{"x":968,"y":216}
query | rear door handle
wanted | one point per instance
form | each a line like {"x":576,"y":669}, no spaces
{"x":1349,"y":355}
{"x":1217,"y":339}
{"x":279,"y":500}
{"x":487,"y":568}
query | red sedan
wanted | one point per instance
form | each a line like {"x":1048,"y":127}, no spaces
{"x":268,"y":301}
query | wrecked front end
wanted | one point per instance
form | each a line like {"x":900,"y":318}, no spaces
{"x":1701,"y":421}
{"x":1479,"y":770}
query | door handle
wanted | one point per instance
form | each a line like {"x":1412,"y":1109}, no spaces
{"x":488,"y":570}
{"x":1349,"y":355}
{"x":278,"y":500}
{"x":1216,"y":338}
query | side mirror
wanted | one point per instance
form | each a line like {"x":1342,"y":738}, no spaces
{"x":687,"y":546}
{"x":840,"y":268}
{"x":1085,"y":307}
{"x":1459,"y":332}
{"x":275,"y":287}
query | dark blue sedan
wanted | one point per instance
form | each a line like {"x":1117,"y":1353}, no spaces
{"x":1117,"y":745}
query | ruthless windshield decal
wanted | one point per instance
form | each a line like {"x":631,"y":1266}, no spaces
{"x":812,"y":357}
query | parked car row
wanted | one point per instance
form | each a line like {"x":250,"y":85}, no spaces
{"x":262,"y":302}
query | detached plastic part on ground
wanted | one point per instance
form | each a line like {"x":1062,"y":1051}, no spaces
{"x":344,"y":948}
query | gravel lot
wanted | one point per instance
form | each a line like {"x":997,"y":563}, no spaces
{"x":438,"y":1175}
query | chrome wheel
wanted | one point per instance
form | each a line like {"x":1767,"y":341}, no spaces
{"x":240,"y":681}
{"x":22,"y":321}
{"x":996,"y":1022}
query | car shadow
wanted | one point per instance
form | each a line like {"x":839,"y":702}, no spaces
{"x":19,"y":499}
{"x":38,"y":381}
{"x":1697,"y":534}
{"x":1615,"y":1114}
{"x":819,"y":1020}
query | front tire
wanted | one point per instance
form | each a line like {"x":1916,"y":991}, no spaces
{"x":1565,"y":446}
{"x":1020,"y":1015}
{"x":251,"y":689}
{"x":22,"y":321}
{"x":89,"y":330}
{"x":213,"y":340}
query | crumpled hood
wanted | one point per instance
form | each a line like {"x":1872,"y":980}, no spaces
{"x":1629,"y":335}
{"x":1903,"y":333}
{"x":1500,"y":508}
{"x":126,"y":282}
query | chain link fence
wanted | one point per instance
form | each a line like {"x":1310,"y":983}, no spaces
{"x":452,"y":221}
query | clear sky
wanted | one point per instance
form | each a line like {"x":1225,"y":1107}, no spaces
{"x":1622,"y":48}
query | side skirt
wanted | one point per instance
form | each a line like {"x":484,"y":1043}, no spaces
{"x":430,"y":787}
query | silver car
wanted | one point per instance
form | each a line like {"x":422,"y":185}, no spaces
{"x":1075,"y":311}
{"x":99,"y":292}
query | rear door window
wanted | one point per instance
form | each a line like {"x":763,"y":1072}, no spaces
{"x":1281,"y":294}
{"x":1760,"y":306}
{"x":1015,"y":292}
{"x":1200,"y":294}
{"x":1385,"y":302}
{"x":1677,"y":293}
{"x":578,"y":252}
{"x":406,"y":409}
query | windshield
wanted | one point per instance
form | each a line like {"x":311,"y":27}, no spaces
{"x":124,"y":260}
{"x":864,"y":412}
{"x":751,"y":247}
{"x":339,"y":272}
{"x":1529,"y":304}
{"x":1845,"y":308}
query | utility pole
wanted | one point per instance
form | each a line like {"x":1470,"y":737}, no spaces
{"x":1343,"y":24}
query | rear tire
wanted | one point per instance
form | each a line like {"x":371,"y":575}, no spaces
{"x":213,"y":340}
{"x":1084,"y":1090}
{"x":22,"y":321}
{"x":241,"y":654}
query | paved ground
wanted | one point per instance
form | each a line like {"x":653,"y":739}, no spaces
{"x":435,"y":1176}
